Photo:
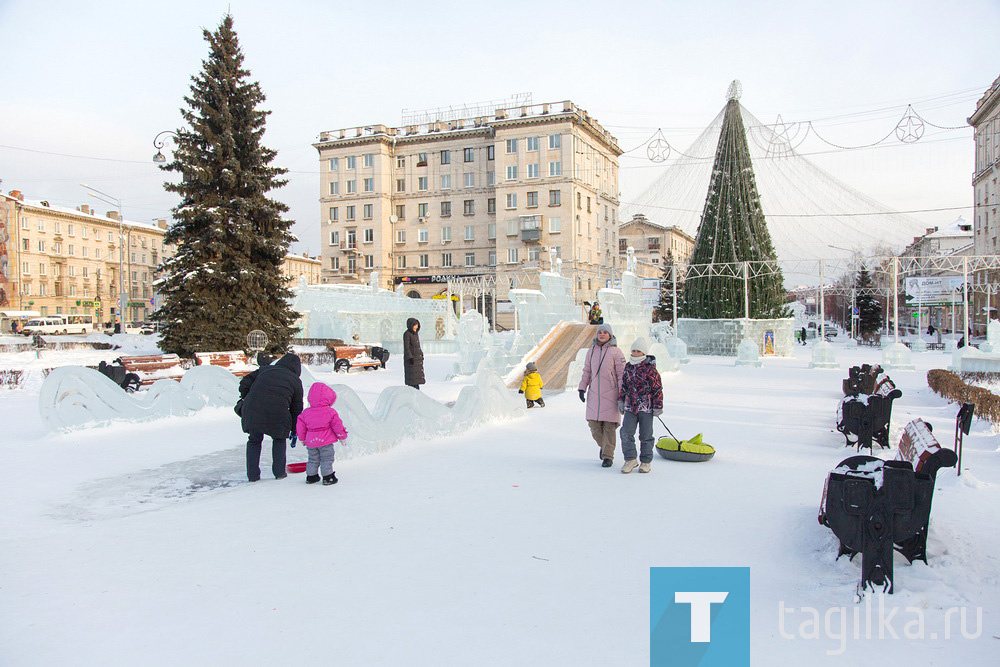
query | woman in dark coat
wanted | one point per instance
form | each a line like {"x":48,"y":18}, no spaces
{"x":272,"y":400}
{"x":413,"y":356}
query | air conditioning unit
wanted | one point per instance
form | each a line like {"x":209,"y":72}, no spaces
{"x":421,"y":220}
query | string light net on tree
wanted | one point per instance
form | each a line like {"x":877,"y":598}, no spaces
{"x":225,"y":278}
{"x":732,"y":230}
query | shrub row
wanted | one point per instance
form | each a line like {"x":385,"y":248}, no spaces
{"x":957,"y":389}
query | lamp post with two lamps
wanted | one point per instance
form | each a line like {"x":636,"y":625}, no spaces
{"x":114,"y":201}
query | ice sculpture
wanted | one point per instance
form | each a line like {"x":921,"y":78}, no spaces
{"x":992,"y":344}
{"x":896,"y":357}
{"x":472,"y":340}
{"x":823,"y":356}
{"x":748,"y":354}
{"x":665,"y":363}
{"x":74,"y":397}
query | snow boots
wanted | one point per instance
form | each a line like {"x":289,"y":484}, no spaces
{"x":330,"y":479}
{"x":606,"y":463}
{"x":312,"y":479}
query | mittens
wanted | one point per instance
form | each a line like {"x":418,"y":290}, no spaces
{"x":520,"y":391}
{"x":583,"y":396}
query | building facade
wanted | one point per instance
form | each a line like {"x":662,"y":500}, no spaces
{"x":297,"y":266}
{"x":653,"y":244}
{"x":69,"y":261}
{"x":480,"y":196}
{"x":986,"y":125}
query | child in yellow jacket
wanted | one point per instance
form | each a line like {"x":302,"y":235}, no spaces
{"x":531,"y":386}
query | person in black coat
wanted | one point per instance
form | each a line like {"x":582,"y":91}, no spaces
{"x":272,"y":400}
{"x":413,"y":356}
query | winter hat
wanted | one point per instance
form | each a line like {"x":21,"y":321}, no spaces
{"x":605,"y":327}
{"x":531,"y":366}
{"x":641,"y":344}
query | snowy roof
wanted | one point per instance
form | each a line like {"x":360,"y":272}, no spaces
{"x":952,"y":230}
{"x":37,"y":204}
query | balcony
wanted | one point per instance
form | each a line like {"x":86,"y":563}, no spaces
{"x":531,"y":235}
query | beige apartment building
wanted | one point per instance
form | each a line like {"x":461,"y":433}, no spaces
{"x":297,"y":266}
{"x":66,"y":261}
{"x":652,"y":243}
{"x":986,"y":125}
{"x":486,"y":195}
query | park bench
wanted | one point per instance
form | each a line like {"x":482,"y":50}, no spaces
{"x":347,"y":357}
{"x":861,"y":379}
{"x":152,"y":367}
{"x":864,"y":418}
{"x":875,"y":507}
{"x":235,"y":362}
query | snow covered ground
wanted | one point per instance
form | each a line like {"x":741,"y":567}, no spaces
{"x":508,"y":544}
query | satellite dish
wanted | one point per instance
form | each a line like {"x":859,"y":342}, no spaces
{"x":393,"y":219}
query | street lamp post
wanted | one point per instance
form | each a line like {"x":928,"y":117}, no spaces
{"x":158,"y":144}
{"x":108,"y":199}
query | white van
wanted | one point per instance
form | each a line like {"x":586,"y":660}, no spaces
{"x":60,"y":324}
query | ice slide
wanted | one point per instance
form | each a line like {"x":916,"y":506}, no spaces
{"x":554,"y":354}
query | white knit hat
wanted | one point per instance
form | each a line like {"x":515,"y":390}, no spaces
{"x":641,"y":344}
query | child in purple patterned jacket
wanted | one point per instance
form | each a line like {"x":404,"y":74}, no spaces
{"x":640,"y":399}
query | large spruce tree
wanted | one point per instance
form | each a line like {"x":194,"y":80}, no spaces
{"x":664,"y":311}
{"x":225,"y":278}
{"x":869,"y":309}
{"x":733,"y":230}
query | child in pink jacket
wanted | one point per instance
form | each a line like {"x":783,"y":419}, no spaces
{"x":318,"y":427}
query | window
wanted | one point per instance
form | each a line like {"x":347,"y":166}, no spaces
{"x":491,"y":231}
{"x":491,"y":205}
{"x":25,"y":269}
{"x":446,"y":181}
{"x":555,"y":168}
{"x":352,"y":187}
{"x":351,"y":162}
{"x":511,"y":172}
{"x":334,"y":214}
{"x":335,"y":238}
{"x":491,"y":178}
{"x":422,"y":235}
{"x":558,"y":250}
{"x":470,"y":233}
{"x":335,"y":263}
{"x":41,"y":225}
{"x":489,"y":152}
{"x":511,"y":255}
{"x":422,"y":183}
{"x":446,"y":235}
{"x":421,"y":159}
{"x":400,"y":261}
{"x":555,"y":225}
{"x":493,"y":258}
{"x":25,"y":245}
{"x":111,"y":237}
{"x":446,"y":260}
{"x":531,"y":144}
{"x":367,"y":210}
{"x":335,"y":164}
{"x":470,"y":259}
{"x":85,"y":272}
{"x":86,"y":253}
{"x":469,"y":207}
{"x":555,"y":197}
{"x":350,"y":212}
{"x":368,"y":159}
{"x":512,"y":227}
{"x":653,"y":244}
{"x":555,"y":141}
{"x":401,"y":211}
{"x":445,"y":209}
{"x":369,"y":185}
{"x":352,"y":264}
{"x":41,"y":246}
{"x":42,"y":290}
{"x":579,"y":200}
{"x":469,"y":154}
{"x":400,"y":185}
{"x":335,"y":187}
{"x":533,"y":170}
{"x":533,"y":253}
{"x":422,"y":210}
{"x":424,"y":261}
{"x":369,"y":261}
{"x":588,"y":205}
{"x":84,"y":232}
{"x":24,"y":223}
{"x":69,"y":230}
{"x":532,"y":200}
{"x":512,"y":145}
{"x":512,"y":200}
{"x":469,"y":180}
{"x":41,"y":269}
{"x":400,"y":236}
{"x":445,"y":157}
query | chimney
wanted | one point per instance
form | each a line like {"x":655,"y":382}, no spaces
{"x":113,"y":215}
{"x":162,"y":224}
{"x":83,"y":208}
{"x":16,"y":194}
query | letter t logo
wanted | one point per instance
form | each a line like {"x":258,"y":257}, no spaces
{"x":701,"y":611}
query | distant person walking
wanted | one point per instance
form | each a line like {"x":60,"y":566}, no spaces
{"x":599,"y":389}
{"x":413,"y":356}
{"x":272,"y":401}
{"x":802,"y":334}
{"x":595,"y":315}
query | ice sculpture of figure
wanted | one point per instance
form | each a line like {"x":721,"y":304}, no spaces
{"x":472,"y":342}
{"x":992,"y":344}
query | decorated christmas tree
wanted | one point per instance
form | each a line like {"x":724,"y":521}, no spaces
{"x":869,"y":309}
{"x":664,"y":311}
{"x":225,"y":278}
{"x":733,"y":230}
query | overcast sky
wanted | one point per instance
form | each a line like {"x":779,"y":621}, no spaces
{"x":86,"y":86}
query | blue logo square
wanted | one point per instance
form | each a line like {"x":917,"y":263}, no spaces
{"x":699,"y":616}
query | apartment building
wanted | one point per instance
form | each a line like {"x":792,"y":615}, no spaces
{"x":986,"y":125}
{"x":487,"y":195}
{"x":652,"y":243}
{"x":297,"y":266}
{"x":67,"y":261}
